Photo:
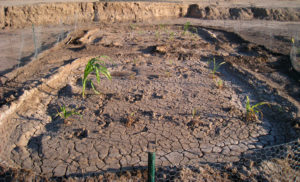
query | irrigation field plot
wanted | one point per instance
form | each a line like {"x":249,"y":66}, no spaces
{"x":180,"y":90}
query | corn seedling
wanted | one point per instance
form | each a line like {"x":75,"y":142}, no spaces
{"x":157,"y":34}
{"x":280,"y":109}
{"x":195,"y":32}
{"x":171,"y":36}
{"x":134,"y":61}
{"x":253,"y":111}
{"x":162,"y":26}
{"x":98,"y":66}
{"x":168,"y":74}
{"x":293,"y":44}
{"x":132,"y":76}
{"x":219,"y":83}
{"x":186,"y":27}
{"x":130,"y":119}
{"x":64,"y":113}
{"x":195,"y":121}
{"x":132,"y":26}
{"x":194,"y":112}
{"x":216,"y":66}
{"x":170,"y":62}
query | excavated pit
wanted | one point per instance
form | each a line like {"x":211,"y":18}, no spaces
{"x":162,"y":97}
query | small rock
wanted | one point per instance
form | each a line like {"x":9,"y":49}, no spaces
{"x":161,"y":49}
{"x":117,"y":44}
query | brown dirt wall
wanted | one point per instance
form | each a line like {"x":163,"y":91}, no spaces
{"x":2,"y":16}
{"x":70,"y":13}
{"x":245,"y":13}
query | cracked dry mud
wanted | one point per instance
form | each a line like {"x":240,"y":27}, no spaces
{"x":159,"y":75}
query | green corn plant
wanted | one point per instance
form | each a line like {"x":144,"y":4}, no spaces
{"x":194,"y":112}
{"x":186,"y":27}
{"x":162,"y":27}
{"x":170,"y":62}
{"x":94,"y":65}
{"x":253,"y":111}
{"x":219,"y":83}
{"x":293,"y":44}
{"x":132,"y":76}
{"x":216,"y":66}
{"x":134,"y":61}
{"x":168,"y":74}
{"x":64,"y":113}
{"x":132,"y":26}
{"x":130,"y":119}
{"x":157,"y":34}
{"x":195,"y":30}
{"x":171,"y":36}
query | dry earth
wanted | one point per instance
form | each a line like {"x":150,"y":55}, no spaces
{"x":160,"y":74}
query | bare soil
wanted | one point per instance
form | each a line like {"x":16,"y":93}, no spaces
{"x":160,"y":74}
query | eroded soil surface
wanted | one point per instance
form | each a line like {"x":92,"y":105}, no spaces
{"x":160,"y":75}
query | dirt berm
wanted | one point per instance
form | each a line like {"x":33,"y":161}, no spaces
{"x":70,"y":13}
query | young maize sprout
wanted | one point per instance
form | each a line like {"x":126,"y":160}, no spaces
{"x":252,"y":112}
{"x":94,"y":65}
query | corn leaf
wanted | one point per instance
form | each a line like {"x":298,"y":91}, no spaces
{"x":260,"y":104}
{"x":93,"y":87}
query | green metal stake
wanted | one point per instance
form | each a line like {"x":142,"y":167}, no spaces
{"x":151,"y":166}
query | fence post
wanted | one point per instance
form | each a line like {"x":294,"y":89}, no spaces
{"x":151,"y":166}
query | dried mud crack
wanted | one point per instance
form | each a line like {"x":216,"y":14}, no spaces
{"x":160,"y":75}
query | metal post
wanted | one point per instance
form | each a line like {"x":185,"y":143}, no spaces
{"x":151,"y":166}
